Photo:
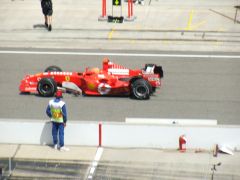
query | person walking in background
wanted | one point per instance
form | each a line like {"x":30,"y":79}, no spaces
{"x":56,"y":110}
{"x":47,"y":10}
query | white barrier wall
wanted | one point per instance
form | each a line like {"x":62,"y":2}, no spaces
{"x":39,"y":132}
{"x":167,"y":136}
{"x":155,"y":121}
{"x":120,"y":134}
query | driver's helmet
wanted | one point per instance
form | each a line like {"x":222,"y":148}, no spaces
{"x":95,"y":70}
{"x":105,"y":60}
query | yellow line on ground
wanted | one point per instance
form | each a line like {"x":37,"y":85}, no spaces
{"x":189,"y":25}
{"x":198,"y":24}
{"x":111,"y":33}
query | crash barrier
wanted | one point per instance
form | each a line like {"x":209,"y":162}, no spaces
{"x":112,"y":134}
{"x":39,"y":132}
{"x":113,"y":17}
{"x":171,"y":121}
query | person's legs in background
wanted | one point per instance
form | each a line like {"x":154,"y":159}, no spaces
{"x":46,"y":21}
{"x":55,"y":128}
{"x":49,"y":20}
{"x":61,"y":138}
{"x":61,"y":135}
{"x":47,"y":11}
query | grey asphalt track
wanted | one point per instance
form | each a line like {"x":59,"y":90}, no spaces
{"x":193,"y":88}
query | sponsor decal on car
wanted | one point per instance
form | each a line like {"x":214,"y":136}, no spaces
{"x":119,"y":71}
{"x":104,"y":88}
{"x":67,"y":78}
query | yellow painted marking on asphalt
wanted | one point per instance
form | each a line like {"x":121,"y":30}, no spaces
{"x":111,"y":34}
{"x":189,"y":25}
{"x":198,"y":25}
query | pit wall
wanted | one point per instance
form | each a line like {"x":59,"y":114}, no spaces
{"x":111,"y":134}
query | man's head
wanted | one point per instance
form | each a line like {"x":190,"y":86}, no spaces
{"x":58,"y":94}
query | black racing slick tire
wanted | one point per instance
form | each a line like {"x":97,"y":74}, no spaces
{"x":53,"y":69}
{"x":140,"y":89}
{"x":47,"y":87}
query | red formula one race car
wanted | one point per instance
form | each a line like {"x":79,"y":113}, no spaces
{"x":111,"y":80}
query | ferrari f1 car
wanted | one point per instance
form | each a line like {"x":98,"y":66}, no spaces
{"x":111,"y":80}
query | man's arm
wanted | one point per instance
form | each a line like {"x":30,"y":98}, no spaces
{"x":48,"y":111}
{"x":64,"y":112}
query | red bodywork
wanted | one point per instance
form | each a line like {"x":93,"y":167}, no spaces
{"x":112,"y":79}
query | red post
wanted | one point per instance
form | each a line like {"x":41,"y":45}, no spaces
{"x":103,"y":17}
{"x":100,"y":134}
{"x":131,"y":7}
{"x":130,"y":11}
{"x":104,"y":13}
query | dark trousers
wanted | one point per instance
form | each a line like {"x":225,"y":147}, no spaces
{"x":58,"y":128}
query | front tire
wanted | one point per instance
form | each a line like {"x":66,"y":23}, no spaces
{"x":47,"y":87}
{"x":140,"y":89}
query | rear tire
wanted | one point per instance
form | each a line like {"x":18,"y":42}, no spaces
{"x":53,"y":69}
{"x":141,"y":89}
{"x":47,"y":87}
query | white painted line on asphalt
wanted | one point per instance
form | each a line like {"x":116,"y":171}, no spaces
{"x":97,"y":157}
{"x":123,"y":54}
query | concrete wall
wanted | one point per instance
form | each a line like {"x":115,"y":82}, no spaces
{"x":120,"y":134}
{"x":166,"y":136}
{"x":39,"y":132}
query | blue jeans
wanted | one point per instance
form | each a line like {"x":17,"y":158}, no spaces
{"x":58,"y":128}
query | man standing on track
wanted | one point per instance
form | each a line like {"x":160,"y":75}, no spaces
{"x":47,"y":11}
{"x":56,"y":110}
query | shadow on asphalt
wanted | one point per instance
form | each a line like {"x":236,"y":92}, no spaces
{"x":39,"y":26}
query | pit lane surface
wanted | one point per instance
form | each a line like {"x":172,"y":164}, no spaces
{"x":194,"y":86}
